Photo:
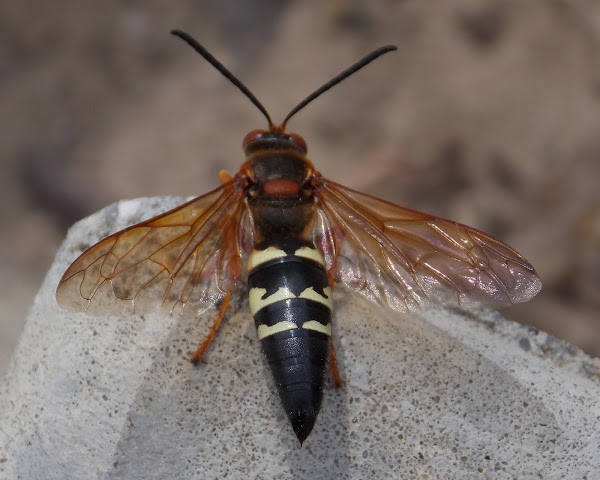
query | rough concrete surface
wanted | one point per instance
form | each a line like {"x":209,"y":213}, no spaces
{"x":445,"y":394}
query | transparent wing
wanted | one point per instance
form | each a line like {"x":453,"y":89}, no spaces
{"x":407,"y":259}
{"x":183,"y":260}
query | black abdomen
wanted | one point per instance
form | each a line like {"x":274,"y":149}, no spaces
{"x":291,"y":302}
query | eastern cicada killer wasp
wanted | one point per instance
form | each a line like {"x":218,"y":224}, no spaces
{"x":288,"y":235}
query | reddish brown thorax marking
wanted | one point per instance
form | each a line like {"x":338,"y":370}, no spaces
{"x":281,"y":187}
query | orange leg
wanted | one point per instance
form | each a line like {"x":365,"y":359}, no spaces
{"x":330,"y":278}
{"x":235,"y":269}
{"x":335,"y":373}
{"x":198,"y":355}
{"x":337,"y":379}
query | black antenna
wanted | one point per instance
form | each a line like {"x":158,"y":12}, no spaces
{"x":337,"y":79}
{"x":334,"y":81}
{"x":221,"y":68}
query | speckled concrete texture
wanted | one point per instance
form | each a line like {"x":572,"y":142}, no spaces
{"x":445,"y":394}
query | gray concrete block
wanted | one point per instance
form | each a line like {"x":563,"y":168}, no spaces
{"x":443,"y":394}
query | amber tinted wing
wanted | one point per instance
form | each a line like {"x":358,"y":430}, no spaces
{"x":183,"y":260}
{"x":407,"y":259}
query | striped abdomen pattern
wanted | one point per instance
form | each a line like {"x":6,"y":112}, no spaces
{"x":291,"y":301}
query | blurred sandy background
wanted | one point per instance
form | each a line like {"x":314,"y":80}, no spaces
{"x":489,"y":114}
